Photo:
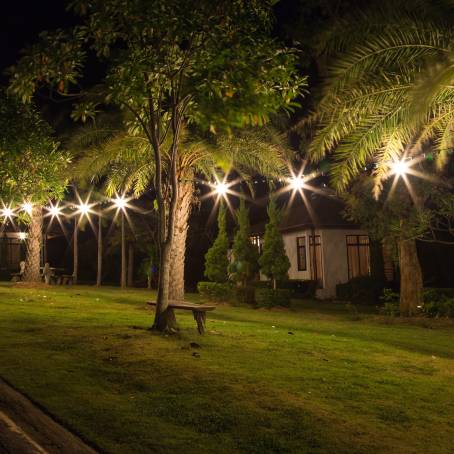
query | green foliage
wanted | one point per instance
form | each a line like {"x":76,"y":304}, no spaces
{"x":244,"y":264}
{"x":274,"y":262}
{"x":215,"y":291}
{"x":202,"y":52}
{"x":244,"y":294}
{"x":216,"y":259}
{"x":394,"y":215}
{"x":267,"y":297}
{"x":389,"y":90}
{"x":439,"y":302}
{"x":31,"y":164}
{"x":361,"y":290}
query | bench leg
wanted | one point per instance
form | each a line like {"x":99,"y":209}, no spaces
{"x":200,"y":318}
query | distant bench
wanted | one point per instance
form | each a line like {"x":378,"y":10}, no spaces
{"x":198,"y":311}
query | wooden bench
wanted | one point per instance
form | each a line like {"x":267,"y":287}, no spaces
{"x":198,"y":311}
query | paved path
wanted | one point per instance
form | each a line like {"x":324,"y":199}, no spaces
{"x":25,"y":429}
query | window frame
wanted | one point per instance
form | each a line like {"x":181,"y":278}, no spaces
{"x":357,"y":245}
{"x":298,"y":256}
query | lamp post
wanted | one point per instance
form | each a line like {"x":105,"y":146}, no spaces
{"x":120,"y":202}
{"x":82,"y":209}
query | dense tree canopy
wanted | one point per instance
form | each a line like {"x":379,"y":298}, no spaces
{"x":31,"y":164}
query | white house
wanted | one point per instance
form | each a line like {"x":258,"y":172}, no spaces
{"x":320,"y":244}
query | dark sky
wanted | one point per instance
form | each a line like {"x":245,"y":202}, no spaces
{"x":21,"y":23}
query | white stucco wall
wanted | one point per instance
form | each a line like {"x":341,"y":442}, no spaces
{"x":334,"y":257}
{"x":335,"y":264}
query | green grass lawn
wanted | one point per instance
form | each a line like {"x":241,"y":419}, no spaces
{"x":341,"y":383}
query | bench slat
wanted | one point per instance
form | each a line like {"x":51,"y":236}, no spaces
{"x":186,"y":306}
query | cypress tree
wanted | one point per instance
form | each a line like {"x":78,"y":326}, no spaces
{"x":274,"y":262}
{"x":244,"y":264}
{"x":216,"y":260}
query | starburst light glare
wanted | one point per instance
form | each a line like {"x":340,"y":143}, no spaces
{"x":400,"y":168}
{"x":120,"y":202}
{"x":27,"y":207}
{"x":22,"y":235}
{"x":221,"y":188}
{"x":7,"y":212}
{"x":297,"y":182}
{"x":83,"y":208}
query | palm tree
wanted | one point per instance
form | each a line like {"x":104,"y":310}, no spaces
{"x":389,"y":95}
{"x":124,"y":159}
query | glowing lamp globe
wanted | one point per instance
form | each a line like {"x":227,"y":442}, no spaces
{"x":27,"y":207}
{"x":7,"y":212}
{"x":120,"y":203}
{"x":83,"y":208}
{"x":297,"y":182}
{"x":221,"y":188}
{"x":399,"y":168}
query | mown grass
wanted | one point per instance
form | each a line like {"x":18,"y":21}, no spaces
{"x":316,"y":379}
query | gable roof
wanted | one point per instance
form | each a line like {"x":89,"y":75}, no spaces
{"x":319,"y":212}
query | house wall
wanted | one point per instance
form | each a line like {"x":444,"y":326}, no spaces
{"x":334,"y":257}
{"x":335,"y":264}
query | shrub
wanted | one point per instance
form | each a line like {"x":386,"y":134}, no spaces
{"x":243,"y":295}
{"x":216,"y":260}
{"x":215,"y":291}
{"x":390,"y":298}
{"x":364,"y":289}
{"x":438,"y":302}
{"x":267,"y":297}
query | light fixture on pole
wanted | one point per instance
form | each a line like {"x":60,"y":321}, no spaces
{"x":121,"y":203}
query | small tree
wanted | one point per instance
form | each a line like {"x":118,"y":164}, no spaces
{"x":245,"y":255}
{"x":216,"y":259}
{"x":274,"y":262}
{"x":31,"y":170}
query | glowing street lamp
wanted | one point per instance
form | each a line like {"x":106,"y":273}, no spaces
{"x":221,"y":188}
{"x":297,"y":182}
{"x":400,"y":168}
{"x":121,"y":203}
{"x":27,"y":207}
{"x":83,"y":208}
{"x":54,"y":210}
{"x":7,"y":213}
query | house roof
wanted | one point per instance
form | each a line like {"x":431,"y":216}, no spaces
{"x":318,"y":212}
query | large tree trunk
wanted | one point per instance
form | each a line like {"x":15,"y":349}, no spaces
{"x":99,"y":269}
{"x":165,"y":320}
{"x":76,"y":250}
{"x":178,"y":250}
{"x":33,"y":258}
{"x":123,"y":252}
{"x":131,"y":265}
{"x":411,"y":284}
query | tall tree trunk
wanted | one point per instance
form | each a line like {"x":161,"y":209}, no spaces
{"x":33,"y":258}
{"x":123,"y":252}
{"x":411,"y":284}
{"x":164,"y":317}
{"x":76,"y":250}
{"x":131,"y":264}
{"x":178,"y":251}
{"x":99,"y":268}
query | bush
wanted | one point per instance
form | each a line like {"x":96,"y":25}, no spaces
{"x":215,"y":291}
{"x":244,"y":295}
{"x":438,"y":302}
{"x":443,"y":308}
{"x":364,"y":289}
{"x":299,"y":288}
{"x":390,"y":298}
{"x":267,"y":297}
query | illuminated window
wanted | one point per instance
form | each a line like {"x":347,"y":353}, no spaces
{"x":358,"y":255}
{"x":257,"y":242}
{"x":301,"y":253}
